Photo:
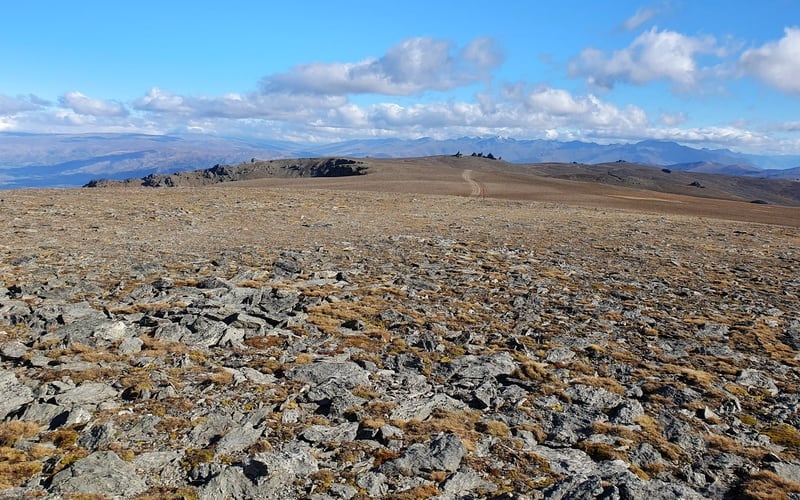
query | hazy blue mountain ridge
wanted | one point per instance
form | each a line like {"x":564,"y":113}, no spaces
{"x":29,"y":160}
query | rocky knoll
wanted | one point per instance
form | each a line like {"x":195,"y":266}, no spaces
{"x":153,"y":345}
{"x":255,"y":169}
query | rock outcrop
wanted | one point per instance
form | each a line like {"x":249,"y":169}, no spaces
{"x":310,"y":167}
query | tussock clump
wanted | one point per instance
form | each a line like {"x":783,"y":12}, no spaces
{"x":14,"y":430}
{"x":766,"y":485}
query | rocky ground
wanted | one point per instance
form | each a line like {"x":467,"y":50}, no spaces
{"x":249,"y":343}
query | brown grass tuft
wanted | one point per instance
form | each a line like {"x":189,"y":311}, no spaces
{"x":13,"y":431}
{"x":601,"y":451}
{"x":220,"y":377}
{"x":16,"y":468}
{"x":784,"y":435}
{"x":167,"y":493}
{"x":765,"y":485}
{"x":493,"y":428}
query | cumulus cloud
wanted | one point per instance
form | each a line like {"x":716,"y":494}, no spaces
{"x":514,"y":110}
{"x":776,"y":63}
{"x":559,"y":107}
{"x":653,"y":55}
{"x":84,"y":105}
{"x":411,"y":67}
{"x":160,"y":101}
{"x":13,"y":105}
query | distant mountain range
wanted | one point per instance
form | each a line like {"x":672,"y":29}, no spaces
{"x":54,"y":160}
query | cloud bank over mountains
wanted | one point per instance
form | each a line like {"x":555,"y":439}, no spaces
{"x":427,"y":86}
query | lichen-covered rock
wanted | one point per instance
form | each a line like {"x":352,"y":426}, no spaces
{"x":14,"y":394}
{"x":100,"y":473}
{"x":442,"y":454}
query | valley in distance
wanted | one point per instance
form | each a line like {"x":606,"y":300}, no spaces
{"x":437,"y":327}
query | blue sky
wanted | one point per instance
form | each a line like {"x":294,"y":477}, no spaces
{"x":706,"y":74}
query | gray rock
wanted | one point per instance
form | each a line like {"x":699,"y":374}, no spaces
{"x":285,"y":267}
{"x":110,"y":330}
{"x":791,"y":335}
{"x":373,"y":483}
{"x":645,"y":454}
{"x":214,"y":427}
{"x":77,"y":416}
{"x":324,"y":434}
{"x":485,"y":395}
{"x":465,"y":481}
{"x":578,"y":488}
{"x":420,"y":409}
{"x":202,"y":473}
{"x":339,"y":490}
{"x":754,"y":378}
{"x":203,"y":333}
{"x":240,"y":438}
{"x":443,"y":453}
{"x":14,"y":394}
{"x":789,"y":471}
{"x":213,"y":282}
{"x":347,"y":374}
{"x":44,"y":413}
{"x":626,"y":412}
{"x":146,"y":429}
{"x":276,"y":470}
{"x":481,"y":367}
{"x":80,"y":310}
{"x":596,"y":397}
{"x":13,"y":349}
{"x":171,"y":332}
{"x":233,"y":337}
{"x":97,"y":437}
{"x":559,"y":354}
{"x":569,"y":461}
{"x":249,"y":324}
{"x":233,"y":484}
{"x":256,"y":376}
{"x":156,"y":460}
{"x":102,"y":472}
{"x":632,"y":487}
{"x":130,"y":345}
{"x":81,"y":330}
{"x":88,"y":393}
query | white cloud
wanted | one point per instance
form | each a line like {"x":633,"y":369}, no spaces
{"x":559,"y":107}
{"x":672,"y":119}
{"x":776,"y":63}
{"x":483,"y":54}
{"x":160,"y":101}
{"x":84,"y":105}
{"x":789,"y":127}
{"x":653,"y":55}
{"x":238,"y":106}
{"x":7,"y":124}
{"x":13,"y":105}
{"x":412,"y":67}
{"x":642,"y":16}
{"x":729,"y":136}
{"x":555,"y":101}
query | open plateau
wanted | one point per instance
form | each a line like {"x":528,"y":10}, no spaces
{"x":447,"y":327}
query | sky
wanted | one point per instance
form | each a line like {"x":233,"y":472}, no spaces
{"x":717,"y":74}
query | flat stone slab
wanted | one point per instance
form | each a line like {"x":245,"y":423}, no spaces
{"x":101,"y":473}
